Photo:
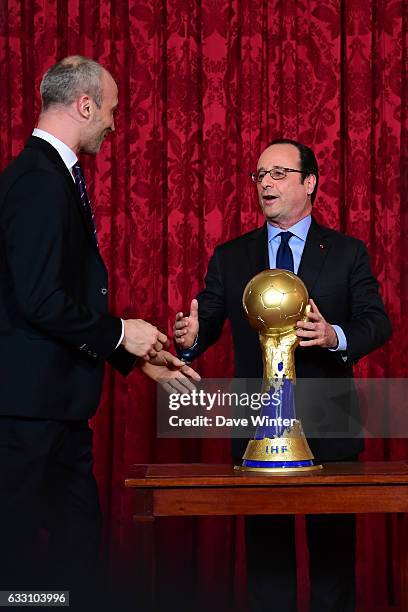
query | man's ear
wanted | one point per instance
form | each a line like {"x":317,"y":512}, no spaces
{"x":310,"y":184}
{"x":84,"y":106}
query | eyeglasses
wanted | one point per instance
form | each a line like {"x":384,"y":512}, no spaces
{"x":277,"y":173}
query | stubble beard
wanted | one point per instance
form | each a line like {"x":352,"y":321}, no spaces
{"x":93,"y":145}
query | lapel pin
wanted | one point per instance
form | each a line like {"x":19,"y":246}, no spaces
{"x":321,"y":246}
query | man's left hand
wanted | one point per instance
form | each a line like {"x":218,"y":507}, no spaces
{"x":170,"y":372}
{"x":315,"y":331}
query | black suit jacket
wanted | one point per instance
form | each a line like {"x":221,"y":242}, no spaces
{"x":336,"y":271}
{"x":55,"y":329}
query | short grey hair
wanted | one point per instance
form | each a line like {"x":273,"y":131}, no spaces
{"x":70,"y":77}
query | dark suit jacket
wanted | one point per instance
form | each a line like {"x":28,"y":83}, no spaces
{"x":55,"y":330}
{"x":336,"y":271}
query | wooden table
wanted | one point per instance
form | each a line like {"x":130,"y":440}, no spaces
{"x":206,"y":489}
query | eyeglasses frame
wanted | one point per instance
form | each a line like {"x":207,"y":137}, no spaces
{"x":254,"y":175}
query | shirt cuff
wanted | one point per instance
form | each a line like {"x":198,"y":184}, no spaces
{"x":188,"y":355}
{"x":342,"y":341}
{"x":122,"y":335}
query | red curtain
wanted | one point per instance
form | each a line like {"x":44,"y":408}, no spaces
{"x":203,"y":86}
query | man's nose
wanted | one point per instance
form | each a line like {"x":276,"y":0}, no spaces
{"x":267,"y":181}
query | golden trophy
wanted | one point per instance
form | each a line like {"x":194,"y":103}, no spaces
{"x":274,"y":300}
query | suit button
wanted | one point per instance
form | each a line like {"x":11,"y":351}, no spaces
{"x":104,"y":291}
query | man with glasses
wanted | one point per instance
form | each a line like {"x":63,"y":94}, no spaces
{"x":347,"y":320}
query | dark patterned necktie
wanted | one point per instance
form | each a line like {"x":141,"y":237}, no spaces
{"x":284,"y":256}
{"x":80,"y":183}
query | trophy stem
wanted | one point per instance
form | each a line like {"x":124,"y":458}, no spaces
{"x":278,"y":356}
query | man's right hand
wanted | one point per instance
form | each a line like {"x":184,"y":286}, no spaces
{"x":186,"y":327}
{"x":143,"y":339}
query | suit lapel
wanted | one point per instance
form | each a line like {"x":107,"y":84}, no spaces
{"x":257,"y":250}
{"x":53,"y":156}
{"x":316,"y":249}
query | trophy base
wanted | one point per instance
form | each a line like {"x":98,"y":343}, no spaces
{"x":279,"y":470}
{"x":287,"y":454}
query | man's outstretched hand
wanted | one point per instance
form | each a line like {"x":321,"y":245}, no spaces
{"x":185,"y":328}
{"x":143,"y":339}
{"x":170,"y":372}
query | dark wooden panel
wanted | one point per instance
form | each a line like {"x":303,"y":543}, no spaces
{"x":275,"y":500}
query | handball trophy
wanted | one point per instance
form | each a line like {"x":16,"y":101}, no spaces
{"x":274,"y":300}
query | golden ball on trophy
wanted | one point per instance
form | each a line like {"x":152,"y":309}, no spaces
{"x":274,"y":300}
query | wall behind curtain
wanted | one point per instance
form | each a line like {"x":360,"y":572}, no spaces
{"x":203,"y":87}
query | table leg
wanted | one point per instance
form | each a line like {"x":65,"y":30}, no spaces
{"x":145,"y":549}
{"x":403,"y":559}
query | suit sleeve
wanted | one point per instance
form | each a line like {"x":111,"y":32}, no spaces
{"x":35,"y":220}
{"x":211,"y":305}
{"x":211,"y":311}
{"x":368,"y":326}
{"x":123,"y":361}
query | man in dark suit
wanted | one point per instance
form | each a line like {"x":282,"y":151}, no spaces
{"x":56,"y":333}
{"x":347,"y":320}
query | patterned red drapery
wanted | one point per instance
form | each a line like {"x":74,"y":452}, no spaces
{"x":203,"y":86}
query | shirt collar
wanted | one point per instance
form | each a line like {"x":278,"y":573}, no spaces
{"x":68,"y":156}
{"x":299,"y":229}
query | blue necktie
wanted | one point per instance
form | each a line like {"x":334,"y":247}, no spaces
{"x":284,"y":256}
{"x":80,"y":183}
